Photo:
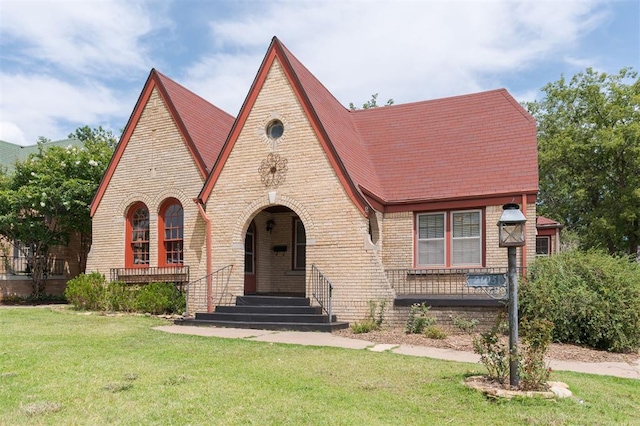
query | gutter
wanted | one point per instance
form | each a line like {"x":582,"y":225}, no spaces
{"x":207,"y":222}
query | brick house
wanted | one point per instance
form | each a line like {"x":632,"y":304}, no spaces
{"x":548,"y":236}
{"x":395,"y":203}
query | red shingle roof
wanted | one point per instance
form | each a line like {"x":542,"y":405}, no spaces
{"x":203,"y":126}
{"x":472,"y":146}
{"x":466,"y":146}
{"x":544,"y":222}
{"x":206,"y":124}
{"x":339,"y":126}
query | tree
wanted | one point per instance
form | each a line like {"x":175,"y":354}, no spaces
{"x":372,"y":103}
{"x":96,"y":135}
{"x":589,"y":157}
{"x":46,"y":199}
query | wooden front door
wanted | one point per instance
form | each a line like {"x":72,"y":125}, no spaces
{"x":250,"y":260}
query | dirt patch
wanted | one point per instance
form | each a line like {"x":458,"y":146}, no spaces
{"x":464,"y":342}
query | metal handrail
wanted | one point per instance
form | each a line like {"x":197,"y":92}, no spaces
{"x":201,"y":298}
{"x":322,"y":291}
{"x":175,"y":274}
{"x":450,"y":282}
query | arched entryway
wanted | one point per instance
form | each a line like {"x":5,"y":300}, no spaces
{"x":275,"y":253}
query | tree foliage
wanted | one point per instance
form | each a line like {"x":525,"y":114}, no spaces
{"x":372,"y":103}
{"x":46,"y":199}
{"x":589,"y":157}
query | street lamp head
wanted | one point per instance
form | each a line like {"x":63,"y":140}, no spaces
{"x":511,"y":226}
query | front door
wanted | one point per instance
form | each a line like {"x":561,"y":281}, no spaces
{"x":250,"y":260}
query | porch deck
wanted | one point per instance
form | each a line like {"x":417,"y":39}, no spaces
{"x":446,"y":287}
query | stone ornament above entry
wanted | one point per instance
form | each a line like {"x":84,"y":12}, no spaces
{"x":273,"y":170}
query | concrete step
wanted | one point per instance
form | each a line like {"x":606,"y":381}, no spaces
{"x":281,"y":326}
{"x":260,"y":300}
{"x":280,"y":317}
{"x":264,"y":309}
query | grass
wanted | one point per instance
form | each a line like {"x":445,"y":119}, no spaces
{"x":58,"y":366}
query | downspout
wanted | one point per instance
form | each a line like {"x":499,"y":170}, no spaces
{"x":207,"y":222}
{"x":523,"y":260}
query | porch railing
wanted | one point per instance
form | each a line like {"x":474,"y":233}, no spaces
{"x":17,"y":265}
{"x":447,"y":283}
{"x":200,"y":299}
{"x":170,"y":274}
{"x":322,"y":289}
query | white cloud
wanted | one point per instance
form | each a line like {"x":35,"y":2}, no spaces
{"x":84,"y":37}
{"x":40,"y":105}
{"x":71,"y":63}
{"x":58,"y":57}
{"x":408,"y":51}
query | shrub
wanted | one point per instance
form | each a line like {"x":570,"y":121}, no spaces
{"x":536,"y":338}
{"x":434,"y":332}
{"x":419,"y":319}
{"x":494,"y":353}
{"x":374,"y":319}
{"x":13,"y":299}
{"x":87,"y":291}
{"x":591,"y":298}
{"x":465,"y":325}
{"x":122,"y":297}
{"x":160,"y":298}
{"x":364,"y":326}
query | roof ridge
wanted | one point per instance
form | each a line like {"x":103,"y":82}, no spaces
{"x":162,"y":75}
{"x":427,"y":101}
{"x":354,"y":175}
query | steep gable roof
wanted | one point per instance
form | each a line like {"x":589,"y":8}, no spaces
{"x":203,"y":126}
{"x":329,"y":119}
{"x":473,"y":146}
{"x":341,"y":130}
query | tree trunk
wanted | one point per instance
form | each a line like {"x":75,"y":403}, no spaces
{"x":38,"y":280}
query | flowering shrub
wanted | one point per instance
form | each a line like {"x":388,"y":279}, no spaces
{"x":536,"y":338}
{"x":419,"y":319}
{"x":494,"y":353}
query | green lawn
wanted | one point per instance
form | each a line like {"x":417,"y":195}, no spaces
{"x":59,"y":366}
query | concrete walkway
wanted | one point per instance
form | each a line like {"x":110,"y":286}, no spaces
{"x":618,"y":369}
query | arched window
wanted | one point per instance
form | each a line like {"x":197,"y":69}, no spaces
{"x":137,"y":249}
{"x":171,"y":229}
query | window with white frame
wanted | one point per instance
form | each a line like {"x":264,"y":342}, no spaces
{"x":431,"y":242}
{"x":449,"y":238}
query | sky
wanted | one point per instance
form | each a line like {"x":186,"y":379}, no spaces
{"x":66,"y":64}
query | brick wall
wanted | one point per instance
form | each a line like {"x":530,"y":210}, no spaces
{"x":486,"y":317}
{"x":335,"y":229}
{"x":155,"y":165}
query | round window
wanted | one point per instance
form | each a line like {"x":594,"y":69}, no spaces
{"x":275,"y":129}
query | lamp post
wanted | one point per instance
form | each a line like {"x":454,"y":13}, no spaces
{"x":511,"y":235}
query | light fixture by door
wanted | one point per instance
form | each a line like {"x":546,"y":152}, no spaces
{"x":270,"y":225}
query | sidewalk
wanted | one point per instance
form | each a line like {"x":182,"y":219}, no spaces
{"x":618,"y":369}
